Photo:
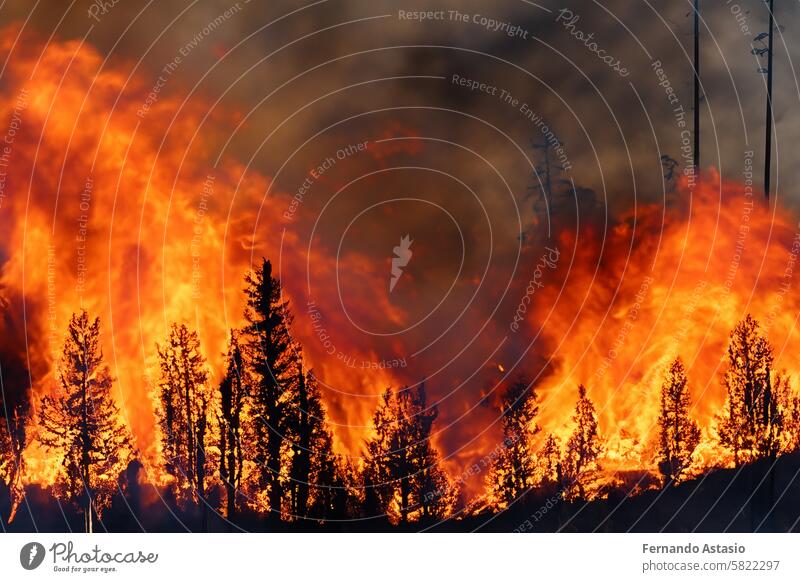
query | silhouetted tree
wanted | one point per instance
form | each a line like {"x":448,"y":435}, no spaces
{"x":792,"y":424}
{"x":333,"y":483}
{"x":513,"y":471}
{"x":183,"y":411}
{"x":402,"y":473}
{"x":273,"y":357}
{"x":679,"y":435}
{"x":550,"y":461}
{"x":301,"y":426}
{"x":12,"y":444}
{"x":329,"y":479}
{"x":583,"y":447}
{"x":751,"y":424}
{"x":437,"y":494}
{"x":332,"y":479}
{"x":317,"y":474}
{"x":547,"y":175}
{"x":81,"y":425}
{"x":232,"y":401}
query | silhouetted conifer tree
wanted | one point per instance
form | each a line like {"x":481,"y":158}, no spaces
{"x":274,"y":360}
{"x":402,"y":473}
{"x":792,"y":424}
{"x":12,"y":444}
{"x":583,"y":447}
{"x":551,"y":462}
{"x":302,"y":424}
{"x":679,"y":435}
{"x":751,"y":425}
{"x":513,"y":471}
{"x":230,"y":418}
{"x":81,"y":425}
{"x":183,"y":411}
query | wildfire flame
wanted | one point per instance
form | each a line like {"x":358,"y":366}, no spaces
{"x":131,"y":219}
{"x":660,"y":284}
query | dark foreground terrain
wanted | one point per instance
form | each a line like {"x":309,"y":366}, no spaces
{"x":760,"y":497}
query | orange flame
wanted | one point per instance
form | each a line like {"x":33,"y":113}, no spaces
{"x":666,"y":283}
{"x":128,"y":216}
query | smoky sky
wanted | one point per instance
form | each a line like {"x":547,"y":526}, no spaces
{"x":615,"y":128}
{"x":452,"y":167}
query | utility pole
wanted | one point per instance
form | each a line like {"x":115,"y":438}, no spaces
{"x":697,"y":87}
{"x":768,"y":137}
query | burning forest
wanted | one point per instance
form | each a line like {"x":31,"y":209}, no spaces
{"x":228,"y":313}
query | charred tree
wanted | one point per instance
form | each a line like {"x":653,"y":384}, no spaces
{"x":12,"y":444}
{"x":696,"y":96}
{"x":768,"y":130}
{"x":301,"y":435}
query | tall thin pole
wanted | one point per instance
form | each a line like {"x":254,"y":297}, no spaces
{"x":768,"y":138}
{"x":696,"y":86}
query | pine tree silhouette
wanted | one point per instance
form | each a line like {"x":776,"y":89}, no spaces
{"x":550,"y":461}
{"x":583,"y":447}
{"x":752,"y":422}
{"x":12,"y":445}
{"x":402,"y":474}
{"x":183,"y":412}
{"x":513,"y":472}
{"x":273,"y":357}
{"x":81,"y":425}
{"x":329,"y":479}
{"x":679,"y":435}
{"x":230,"y":418}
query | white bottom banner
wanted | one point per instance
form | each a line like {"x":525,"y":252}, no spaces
{"x":418,"y":557}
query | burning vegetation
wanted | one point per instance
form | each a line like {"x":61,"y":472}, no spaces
{"x":662,"y":339}
{"x":258,"y":442}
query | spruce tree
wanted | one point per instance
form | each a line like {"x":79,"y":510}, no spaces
{"x":302,"y":425}
{"x":792,"y":424}
{"x":12,"y":445}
